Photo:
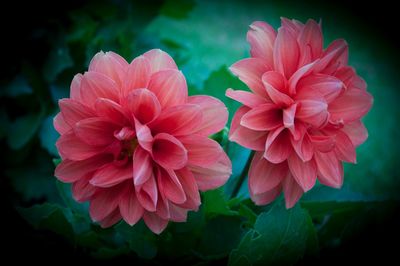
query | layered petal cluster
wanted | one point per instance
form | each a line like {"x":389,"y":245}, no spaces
{"x":135,"y":145}
{"x":302,"y":116}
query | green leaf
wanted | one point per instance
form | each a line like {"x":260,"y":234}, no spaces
{"x":59,"y":60}
{"x":19,"y":86}
{"x":178,"y":9}
{"x":214,"y":203}
{"x":48,"y":136}
{"x":23,"y":129}
{"x":279,"y":237}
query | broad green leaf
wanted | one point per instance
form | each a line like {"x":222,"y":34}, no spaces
{"x":48,"y":136}
{"x":215,"y":203}
{"x":23,"y":129}
{"x":279,"y":237}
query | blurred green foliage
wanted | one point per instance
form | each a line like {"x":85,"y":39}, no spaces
{"x":204,"y":37}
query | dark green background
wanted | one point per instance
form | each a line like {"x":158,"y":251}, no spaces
{"x":44,"y":48}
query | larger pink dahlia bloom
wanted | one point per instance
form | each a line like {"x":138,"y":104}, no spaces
{"x":303,"y":115}
{"x":134,"y":144}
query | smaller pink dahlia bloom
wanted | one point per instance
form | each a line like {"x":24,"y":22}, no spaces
{"x":303,"y":115}
{"x":134,"y":144}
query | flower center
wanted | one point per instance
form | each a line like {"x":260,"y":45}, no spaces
{"x":128,"y":147}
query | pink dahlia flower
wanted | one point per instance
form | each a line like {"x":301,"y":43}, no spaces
{"x":303,"y":115}
{"x":134,"y":144}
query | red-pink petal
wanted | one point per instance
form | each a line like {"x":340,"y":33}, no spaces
{"x":214,"y":114}
{"x":109,"y":64}
{"x":303,"y":147}
{"x":170,"y":87}
{"x":159,"y":60}
{"x":82,"y":190}
{"x":144,"y":136}
{"x":298,"y":75}
{"x":289,"y":115}
{"x":313,"y":112}
{"x":70,"y":171}
{"x":250,"y":71}
{"x":189,"y":185}
{"x":345,"y":150}
{"x":143,"y":104}
{"x":74,"y":111}
{"x":278,"y":146}
{"x":286,"y":52}
{"x":126,"y":133}
{"x":323,"y":143}
{"x":310,"y":41}
{"x":111,"y":111}
{"x":130,"y":208}
{"x":248,"y":138}
{"x":292,"y":25}
{"x":169,"y":152}
{"x":96,"y":85}
{"x":177,"y":214}
{"x":71,"y":147}
{"x":263,"y":175}
{"x":330,"y":169}
{"x":111,"y":219}
{"x":170,"y":186}
{"x":75,"y":88}
{"x":137,"y":75}
{"x":245,"y":97}
{"x":327,"y":86}
{"x":262,"y":118}
{"x":261,"y":37}
{"x":147,"y":194}
{"x":111,"y":174}
{"x":104,"y":202}
{"x":333,"y":57}
{"x":202,"y":151}
{"x":350,"y":106}
{"x":213,"y":176}
{"x":291,"y":190}
{"x":178,"y":120}
{"x":60,"y":125}
{"x":142,"y":166}
{"x":305,"y":173}
{"x":267,"y":197}
{"x":154,"y":222}
{"x":275,"y":85}
{"x":357,"y":132}
{"x":95,"y":131}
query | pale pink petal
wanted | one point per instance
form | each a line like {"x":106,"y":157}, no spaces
{"x":305,"y":173}
{"x":262,"y":118}
{"x":277,"y":145}
{"x":95,"y":131}
{"x":130,"y":208}
{"x":143,"y":104}
{"x":215,"y":114}
{"x":126,"y":133}
{"x":147,"y":194}
{"x":163,"y":206}
{"x":82,"y":190}
{"x":169,"y":152}
{"x":70,"y":171}
{"x":170,"y":87}
{"x":111,"y":219}
{"x":275,"y":85}
{"x":323,"y":143}
{"x":303,"y":147}
{"x":263,"y":175}
{"x":142,"y":166}
{"x":245,"y":97}
{"x":111,"y":174}
{"x":74,"y":111}
{"x":310,"y":42}
{"x":298,"y":75}
{"x":75,"y":88}
{"x":143,"y":135}
{"x":289,"y":115}
{"x":202,"y":151}
{"x":189,"y":185}
{"x":286,"y":52}
{"x":330,"y":169}
{"x":291,"y":190}
{"x":96,"y":85}
{"x":109,"y":64}
{"x":261,"y":37}
{"x":313,"y":112}
{"x":250,"y":71}
{"x":327,"y":86}
{"x":60,"y":125}
{"x":110,"y":110}
{"x":357,"y":132}
{"x":213,"y":176}
{"x":351,"y":106}
{"x":267,"y":197}
{"x":137,"y":75}
{"x":248,"y":138}
{"x":333,"y":57}
{"x":170,"y":186}
{"x":178,"y":120}
{"x":71,"y":147}
{"x":154,"y":222}
{"x":292,"y":25}
{"x":345,"y":150}
{"x":104,"y":202}
{"x":159,"y":60}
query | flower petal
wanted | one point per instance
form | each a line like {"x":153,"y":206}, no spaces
{"x":143,"y":104}
{"x":250,"y":71}
{"x":291,"y":190}
{"x":263,"y":175}
{"x":130,"y":208}
{"x":82,"y":190}
{"x":169,"y":152}
{"x":310,"y":38}
{"x":170,"y":87}
{"x":357,"y":132}
{"x":95,"y":131}
{"x":143,"y":135}
{"x":154,"y":222}
{"x":330,"y":169}
{"x":104,"y":202}
{"x":71,"y":147}
{"x":215,"y":114}
{"x":267,"y":197}
{"x":109,"y":64}
{"x":275,"y":85}
{"x":73,"y":111}
{"x":333,"y":57}
{"x":278,"y":146}
{"x":286,"y":52}
{"x":111,"y":219}
{"x":327,"y":86}
{"x":245,"y":97}
{"x":170,"y":186}
{"x":345,"y":150}
{"x":202,"y":151}
{"x":262,"y":118}
{"x":96,"y":85}
{"x":110,"y":175}
{"x":159,"y":60}
{"x":189,"y":185}
{"x":137,"y":75}
{"x":305,"y":173}
{"x":147,"y":194}
{"x":261,"y":37}
{"x":303,"y":147}
{"x":60,"y":125}
{"x":313,"y":112}
{"x":112,"y":111}
{"x":142,"y":166}
{"x":75,"y":88}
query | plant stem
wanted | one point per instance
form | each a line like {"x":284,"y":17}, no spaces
{"x":242,"y":176}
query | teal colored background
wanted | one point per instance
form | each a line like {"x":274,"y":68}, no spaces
{"x":205,"y":38}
